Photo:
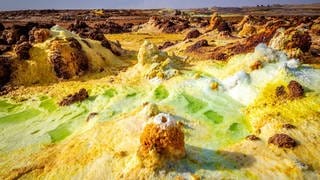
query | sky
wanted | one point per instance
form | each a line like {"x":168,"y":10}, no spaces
{"x":137,"y":4}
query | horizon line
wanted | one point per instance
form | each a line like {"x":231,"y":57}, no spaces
{"x":258,"y":5}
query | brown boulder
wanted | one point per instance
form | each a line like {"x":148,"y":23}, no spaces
{"x":295,"y":89}
{"x":96,"y":35}
{"x":192,"y":34}
{"x":224,"y":27}
{"x":252,"y":138}
{"x":282,"y":141}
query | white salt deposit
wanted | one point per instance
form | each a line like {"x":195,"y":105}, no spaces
{"x":164,"y":120}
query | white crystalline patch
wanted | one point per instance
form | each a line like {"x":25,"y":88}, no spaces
{"x":267,"y":54}
{"x":164,"y":120}
{"x":292,"y":63}
{"x":236,"y":79}
{"x":60,"y":32}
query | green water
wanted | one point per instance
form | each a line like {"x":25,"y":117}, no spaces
{"x":160,"y":93}
{"x":133,"y":94}
{"x":49,"y":105}
{"x":6,"y":107}
{"x":20,"y":116}
{"x":194,"y":104}
{"x":110,"y":92}
{"x":61,"y":132}
{"x":218,"y":115}
{"x":213,"y":116}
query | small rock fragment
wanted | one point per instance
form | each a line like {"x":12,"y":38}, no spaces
{"x":91,"y":115}
{"x":77,"y":97}
{"x":256,"y":65}
{"x":295,"y":89}
{"x":252,"y":138}
{"x":214,"y":85}
{"x":282,"y":141}
{"x":280,"y":91}
{"x":288,"y":126}
{"x":166,"y":45}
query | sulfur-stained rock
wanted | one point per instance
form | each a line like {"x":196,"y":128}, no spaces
{"x":22,"y":50}
{"x":293,"y":41}
{"x":215,"y":21}
{"x":68,"y":58}
{"x":161,"y":141}
{"x":40,"y":35}
{"x":315,"y":28}
{"x":256,"y":65}
{"x":247,"y":30}
{"x":214,"y":85}
{"x":246,"y":20}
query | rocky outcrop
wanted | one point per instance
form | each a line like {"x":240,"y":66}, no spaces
{"x":247,"y":30}
{"x":293,"y":41}
{"x":161,"y":141}
{"x":169,"y":25}
{"x":156,"y":63}
{"x":22,"y":50}
{"x":68,"y":58}
{"x":217,"y":23}
{"x":40,"y":35}
{"x":19,"y":33}
{"x":86,"y":31}
{"x":197,"y":45}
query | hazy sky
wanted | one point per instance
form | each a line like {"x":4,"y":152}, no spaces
{"x":109,"y":4}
